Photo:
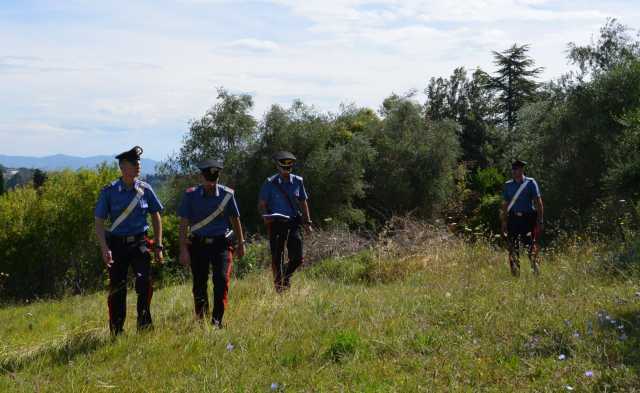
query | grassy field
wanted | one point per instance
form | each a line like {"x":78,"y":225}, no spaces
{"x":449,"y":318}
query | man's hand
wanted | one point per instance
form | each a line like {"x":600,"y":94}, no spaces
{"x":308,"y":228}
{"x":158,"y":255}
{"x":107,"y":258}
{"x":185,"y":257}
{"x":240,"y":250}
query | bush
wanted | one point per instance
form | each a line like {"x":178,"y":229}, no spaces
{"x":47,"y":241}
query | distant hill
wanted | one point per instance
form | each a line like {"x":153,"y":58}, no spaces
{"x":61,"y":161}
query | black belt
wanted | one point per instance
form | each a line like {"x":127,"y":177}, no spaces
{"x":207,"y":239}
{"x":127,"y":239}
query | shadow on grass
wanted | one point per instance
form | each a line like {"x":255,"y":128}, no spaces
{"x":57,"y":352}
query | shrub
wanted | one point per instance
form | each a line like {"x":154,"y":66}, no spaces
{"x":47,"y":241}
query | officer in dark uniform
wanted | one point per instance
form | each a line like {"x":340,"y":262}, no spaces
{"x":284,"y":208}
{"x":207,"y":210}
{"x":522,"y":216}
{"x":126,"y":202}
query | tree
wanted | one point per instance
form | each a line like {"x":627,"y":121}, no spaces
{"x":413,"y":168}
{"x":614,"y":47}
{"x":39,"y":178}
{"x":224,"y":132}
{"x":514,"y":81}
{"x":1,"y":180}
{"x":470,"y":103}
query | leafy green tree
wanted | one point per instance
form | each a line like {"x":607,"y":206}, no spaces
{"x":470,"y":103}
{"x":226,"y":132}
{"x":39,"y":178}
{"x":47,"y":241}
{"x":415,"y":161}
{"x":514,"y":81}
{"x":1,"y":180}
{"x":332,"y":151}
{"x":614,"y":47}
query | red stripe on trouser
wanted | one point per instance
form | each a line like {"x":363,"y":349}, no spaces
{"x":535,"y":233}
{"x":149,"y":292}
{"x":227,"y":277}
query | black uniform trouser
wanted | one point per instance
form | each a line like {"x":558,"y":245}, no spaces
{"x":521,"y":228}
{"x":284,"y":234}
{"x":217,"y":254}
{"x":136,"y":255}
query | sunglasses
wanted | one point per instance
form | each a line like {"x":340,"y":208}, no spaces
{"x":285,"y":167}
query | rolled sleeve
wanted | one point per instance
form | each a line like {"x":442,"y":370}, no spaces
{"x":184,"y":210}
{"x":535,"y":189}
{"x":232,"y":208}
{"x":155,"y":206}
{"x":264,"y":192}
{"x":303,"y":192}
{"x":102,"y":206}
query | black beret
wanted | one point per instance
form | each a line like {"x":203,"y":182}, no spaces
{"x":131,"y":155}
{"x":283,"y":155}
{"x":217,"y":164}
{"x":519,"y":163}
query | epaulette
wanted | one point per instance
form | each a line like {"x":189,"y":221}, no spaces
{"x":144,"y":184}
{"x":272,"y":178}
{"x":508,"y":181}
{"x":113,"y":183}
{"x":296,"y":177}
{"x":227,"y":189}
{"x":191,"y":189}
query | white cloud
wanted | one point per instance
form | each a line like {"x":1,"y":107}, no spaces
{"x":252,"y":45}
{"x":96,"y":86}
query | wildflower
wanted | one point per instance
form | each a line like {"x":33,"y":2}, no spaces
{"x":588,"y":374}
{"x":274,"y":386}
{"x":562,"y":356}
{"x":448,"y":294}
{"x":230,"y":347}
{"x":576,"y":335}
{"x":568,"y":387}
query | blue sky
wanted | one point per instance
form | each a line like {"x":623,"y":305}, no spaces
{"x":84,"y":77}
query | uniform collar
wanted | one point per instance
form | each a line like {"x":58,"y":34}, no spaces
{"x":122,"y":187}
{"x":215,"y":186}
{"x":280,"y":179}
{"x":524,"y":179}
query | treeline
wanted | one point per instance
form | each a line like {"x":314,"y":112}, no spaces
{"x":444,"y":158}
{"x":449,"y":155}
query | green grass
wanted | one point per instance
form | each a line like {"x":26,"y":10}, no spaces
{"x":451,"y":319}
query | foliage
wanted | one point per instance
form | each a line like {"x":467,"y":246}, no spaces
{"x":514,"y":81}
{"x":39,"y":177}
{"x":47,"y":241}
{"x":613,"y":48}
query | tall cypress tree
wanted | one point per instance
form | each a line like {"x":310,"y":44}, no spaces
{"x":514,"y":81}
{"x":39,"y":177}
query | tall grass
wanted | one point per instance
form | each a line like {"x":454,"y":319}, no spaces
{"x":442,"y":316}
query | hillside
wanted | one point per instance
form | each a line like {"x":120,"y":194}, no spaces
{"x":448,"y":318}
{"x":61,"y":161}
